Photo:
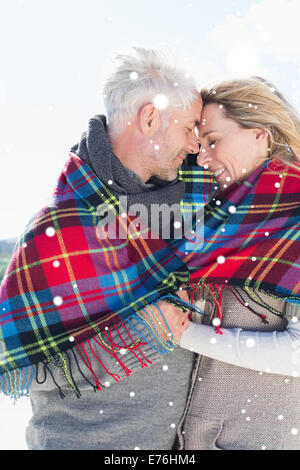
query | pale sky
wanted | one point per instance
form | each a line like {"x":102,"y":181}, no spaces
{"x":53,"y":57}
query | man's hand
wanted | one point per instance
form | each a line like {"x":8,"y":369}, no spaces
{"x":176,"y":319}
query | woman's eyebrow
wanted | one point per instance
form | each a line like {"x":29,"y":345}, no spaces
{"x":207,"y":133}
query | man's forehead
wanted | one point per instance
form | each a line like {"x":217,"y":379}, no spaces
{"x":191,"y":115}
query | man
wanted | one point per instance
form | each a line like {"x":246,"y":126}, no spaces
{"x":152,"y":109}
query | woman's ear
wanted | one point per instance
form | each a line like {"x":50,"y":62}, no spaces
{"x":261,"y":135}
{"x":149,"y":119}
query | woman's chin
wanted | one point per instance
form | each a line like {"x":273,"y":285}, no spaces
{"x":225,"y":182}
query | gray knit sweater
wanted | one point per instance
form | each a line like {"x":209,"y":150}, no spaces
{"x":143,"y":410}
{"x":233,"y":407}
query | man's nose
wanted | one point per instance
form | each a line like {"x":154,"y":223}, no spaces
{"x":203,"y":157}
{"x":193,"y":144}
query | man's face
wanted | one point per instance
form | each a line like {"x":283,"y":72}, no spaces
{"x":172,"y":146}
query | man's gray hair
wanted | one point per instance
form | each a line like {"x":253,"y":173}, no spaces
{"x":144,"y":76}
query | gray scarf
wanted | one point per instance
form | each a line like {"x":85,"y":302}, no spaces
{"x":95,"y":149}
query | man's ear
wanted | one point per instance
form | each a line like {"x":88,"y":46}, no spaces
{"x":149,"y":119}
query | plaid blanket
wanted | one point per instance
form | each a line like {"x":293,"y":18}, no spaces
{"x":250,"y":240}
{"x":73,"y":277}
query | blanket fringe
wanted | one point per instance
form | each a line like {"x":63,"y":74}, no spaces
{"x":17,"y":383}
{"x":243,"y":295}
{"x":86,"y":360}
{"x":217,"y":294}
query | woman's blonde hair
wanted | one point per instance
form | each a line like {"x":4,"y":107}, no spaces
{"x":255,"y":103}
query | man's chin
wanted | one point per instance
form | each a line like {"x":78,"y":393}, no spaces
{"x":167,"y":177}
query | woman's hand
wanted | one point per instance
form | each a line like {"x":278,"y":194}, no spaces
{"x":176,"y":319}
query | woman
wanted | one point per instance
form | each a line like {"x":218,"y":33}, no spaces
{"x":245,"y":391}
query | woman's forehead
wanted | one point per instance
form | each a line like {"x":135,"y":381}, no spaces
{"x":212,"y":111}
{"x":213,"y":118}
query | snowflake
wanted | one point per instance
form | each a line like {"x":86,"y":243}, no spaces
{"x":58,"y":300}
{"x":216,"y":322}
{"x":161,"y":101}
{"x":50,"y":232}
{"x":133,"y":76}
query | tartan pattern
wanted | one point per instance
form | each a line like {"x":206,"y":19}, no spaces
{"x":66,"y":280}
{"x":255,"y":226}
{"x":71,"y":281}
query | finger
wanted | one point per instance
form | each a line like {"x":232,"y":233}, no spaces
{"x":183,"y":295}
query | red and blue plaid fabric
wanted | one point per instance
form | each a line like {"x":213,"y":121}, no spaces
{"x":68,"y":281}
{"x":252,"y":234}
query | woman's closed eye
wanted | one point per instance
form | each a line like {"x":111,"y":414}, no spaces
{"x":212,"y":144}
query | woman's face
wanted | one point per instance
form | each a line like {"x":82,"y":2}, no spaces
{"x":229,"y":151}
